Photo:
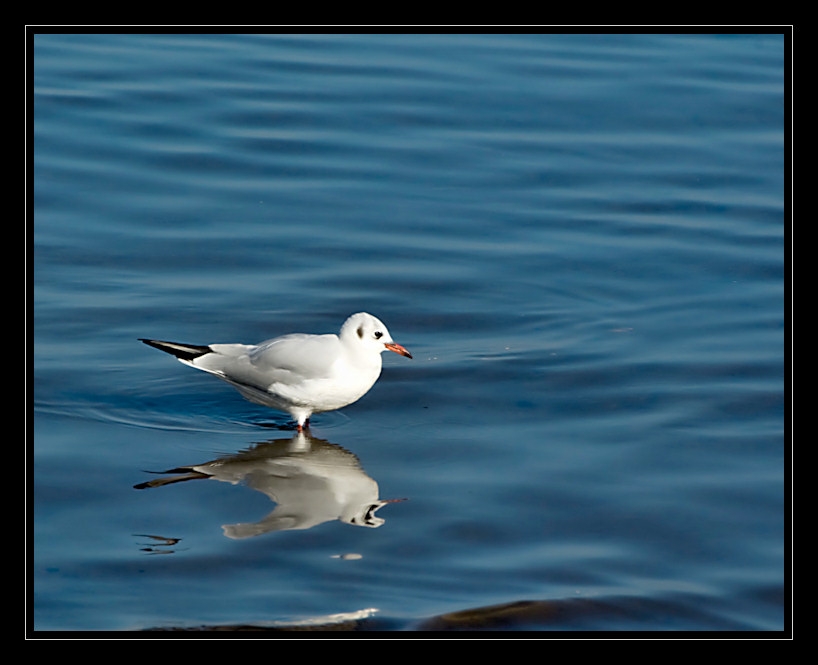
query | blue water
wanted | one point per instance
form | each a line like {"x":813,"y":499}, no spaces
{"x":580,"y":238}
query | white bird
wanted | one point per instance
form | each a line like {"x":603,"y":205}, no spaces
{"x":299,"y":374}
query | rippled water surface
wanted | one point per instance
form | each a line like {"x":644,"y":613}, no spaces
{"x":580,"y":238}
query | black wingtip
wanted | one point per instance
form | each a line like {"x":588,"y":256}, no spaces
{"x":181,"y":351}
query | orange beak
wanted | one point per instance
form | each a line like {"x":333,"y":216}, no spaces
{"x":397,"y":348}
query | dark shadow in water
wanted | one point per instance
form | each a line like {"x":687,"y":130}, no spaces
{"x":311,"y":480}
{"x":158,"y":544}
{"x":572,"y":616}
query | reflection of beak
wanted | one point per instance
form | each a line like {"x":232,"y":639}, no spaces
{"x":397,"y":348}
{"x":369,"y":518}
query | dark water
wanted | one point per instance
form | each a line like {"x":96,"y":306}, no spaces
{"x":580,"y":238}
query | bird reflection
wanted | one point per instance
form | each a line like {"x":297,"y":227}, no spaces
{"x":311,"y":480}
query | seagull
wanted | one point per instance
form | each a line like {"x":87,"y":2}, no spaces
{"x":299,"y":374}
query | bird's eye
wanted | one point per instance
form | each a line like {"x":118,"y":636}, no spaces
{"x":378,"y":334}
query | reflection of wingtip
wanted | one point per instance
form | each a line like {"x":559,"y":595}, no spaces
{"x":159,"y":482}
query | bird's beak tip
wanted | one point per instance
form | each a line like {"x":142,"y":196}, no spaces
{"x":397,"y":348}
